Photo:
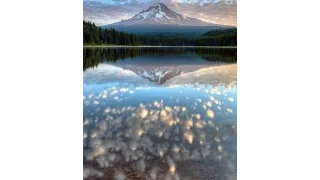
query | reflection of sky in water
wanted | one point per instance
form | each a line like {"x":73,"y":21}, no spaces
{"x":158,"y":130}
{"x":195,"y":99}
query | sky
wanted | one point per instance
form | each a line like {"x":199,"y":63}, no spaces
{"x":103,"y":12}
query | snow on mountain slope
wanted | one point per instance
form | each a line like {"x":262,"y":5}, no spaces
{"x":161,"y":14}
{"x":158,"y":75}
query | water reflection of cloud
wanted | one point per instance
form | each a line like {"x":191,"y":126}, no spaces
{"x":225,"y":74}
{"x":153,"y":130}
{"x":154,"y":136}
{"x":108,"y":73}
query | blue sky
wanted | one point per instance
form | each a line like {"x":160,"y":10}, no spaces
{"x":109,"y":11}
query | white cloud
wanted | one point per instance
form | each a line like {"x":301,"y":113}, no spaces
{"x":109,"y":11}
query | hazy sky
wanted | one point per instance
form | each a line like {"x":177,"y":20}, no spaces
{"x":103,"y":12}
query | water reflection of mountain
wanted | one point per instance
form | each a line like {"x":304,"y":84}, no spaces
{"x":159,"y":69}
{"x":94,"y":56}
{"x":216,"y":75}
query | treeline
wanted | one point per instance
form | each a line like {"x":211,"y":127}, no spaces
{"x":93,"y":35}
{"x":221,"y":32}
{"x":94,"y":56}
{"x":219,"y":37}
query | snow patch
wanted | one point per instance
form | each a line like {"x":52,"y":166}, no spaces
{"x":165,"y":15}
{"x":159,"y":16}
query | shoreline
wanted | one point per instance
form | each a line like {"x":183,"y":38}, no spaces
{"x":113,"y":46}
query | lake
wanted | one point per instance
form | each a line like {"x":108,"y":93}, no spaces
{"x":160,"y":113}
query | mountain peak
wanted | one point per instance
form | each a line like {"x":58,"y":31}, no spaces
{"x":159,"y":5}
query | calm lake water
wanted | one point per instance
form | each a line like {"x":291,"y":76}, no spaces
{"x":160,"y":113}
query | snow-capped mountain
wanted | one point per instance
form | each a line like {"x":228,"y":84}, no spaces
{"x":165,"y":75}
{"x":160,"y":74}
{"x":160,"y":14}
{"x":157,"y":75}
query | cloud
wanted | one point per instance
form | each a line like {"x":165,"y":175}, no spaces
{"x":109,"y":11}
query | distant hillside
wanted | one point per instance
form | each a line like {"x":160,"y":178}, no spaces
{"x":222,"y":32}
{"x":93,"y":35}
{"x":165,"y":30}
{"x":219,"y":37}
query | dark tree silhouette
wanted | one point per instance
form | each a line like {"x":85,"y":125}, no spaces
{"x":93,"y":35}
